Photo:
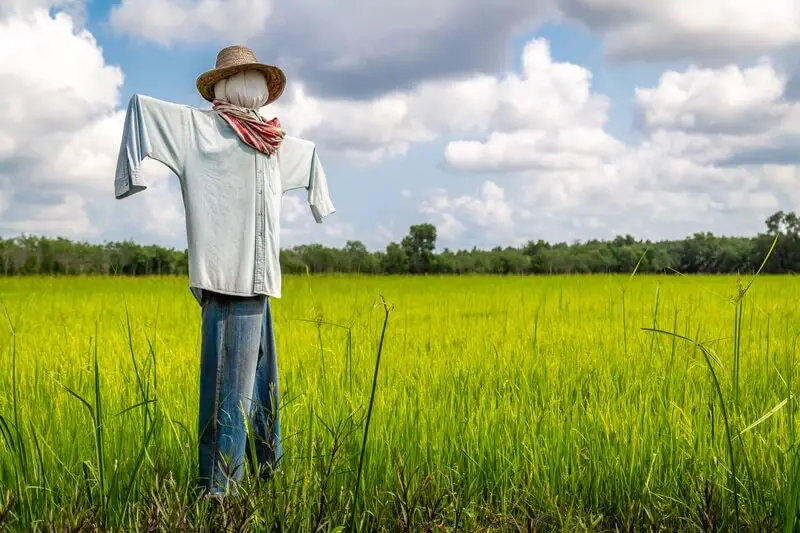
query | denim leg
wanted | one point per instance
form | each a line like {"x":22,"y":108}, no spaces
{"x":265,"y":417}
{"x":231,"y":334}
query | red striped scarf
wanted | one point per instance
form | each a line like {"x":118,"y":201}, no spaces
{"x":262,"y":135}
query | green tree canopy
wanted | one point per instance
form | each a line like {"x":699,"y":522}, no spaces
{"x":416,"y":254}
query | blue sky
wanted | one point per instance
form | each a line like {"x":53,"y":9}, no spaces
{"x":622,"y":123}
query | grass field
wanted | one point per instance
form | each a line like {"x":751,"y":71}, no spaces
{"x":502,"y":404}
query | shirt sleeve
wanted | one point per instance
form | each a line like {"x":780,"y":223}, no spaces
{"x":300,"y":168}
{"x":154,"y":129}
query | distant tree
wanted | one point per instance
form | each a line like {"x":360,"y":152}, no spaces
{"x":358,"y":258}
{"x":446,"y":262}
{"x":419,"y":246}
{"x":395,"y":261}
{"x":774,"y":223}
{"x":538,"y":260}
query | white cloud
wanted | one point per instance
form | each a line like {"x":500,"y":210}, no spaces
{"x":688,"y":29}
{"x":365,"y":132}
{"x":191,"y":21}
{"x":57,"y":125}
{"x":60,"y":127}
{"x":547,"y":130}
{"x":574,"y":180}
{"x":293,"y":209}
{"x":161,"y":204}
{"x":86,"y":158}
{"x":490,"y":210}
{"x":53,"y":75}
{"x":368,"y":48}
{"x":548,"y":95}
{"x":352,"y":49}
{"x":8,"y":146}
{"x":731,"y":116}
{"x":727,"y":100}
{"x":67,"y":218}
{"x":5,"y":194}
{"x":783,"y":178}
{"x":572,"y":148}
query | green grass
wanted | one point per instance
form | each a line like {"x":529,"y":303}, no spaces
{"x":500,"y":404}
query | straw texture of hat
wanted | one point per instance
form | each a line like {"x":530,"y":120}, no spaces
{"x":233,"y":59}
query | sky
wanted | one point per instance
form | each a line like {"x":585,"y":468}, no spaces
{"x":499,"y":122}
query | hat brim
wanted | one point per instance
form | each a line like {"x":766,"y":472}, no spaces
{"x":276,"y":79}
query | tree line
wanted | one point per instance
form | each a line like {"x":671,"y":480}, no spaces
{"x":701,"y":253}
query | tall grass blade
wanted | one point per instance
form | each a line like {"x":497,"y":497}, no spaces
{"x":387,"y":309}
{"x":721,"y":397}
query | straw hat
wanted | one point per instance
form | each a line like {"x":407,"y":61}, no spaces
{"x":233,"y":59}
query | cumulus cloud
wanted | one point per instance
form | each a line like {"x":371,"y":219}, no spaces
{"x":572,"y":148}
{"x":733,"y":116}
{"x":569,"y":177}
{"x":711,"y":30}
{"x":368,"y":49}
{"x":490,"y":210}
{"x":361,"y":49}
{"x":5,"y":194}
{"x":547,"y":95}
{"x":191,"y":21}
{"x":364,"y":131}
{"x":793,"y":83}
{"x":54,"y":73}
{"x":57,"y":113}
{"x":63,"y":215}
{"x":727,"y":100}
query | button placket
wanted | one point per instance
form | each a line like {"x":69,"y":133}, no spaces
{"x":258,"y":271}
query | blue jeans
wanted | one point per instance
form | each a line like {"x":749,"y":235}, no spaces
{"x":238,"y":386}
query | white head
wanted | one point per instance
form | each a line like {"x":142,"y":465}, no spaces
{"x":245,"y":89}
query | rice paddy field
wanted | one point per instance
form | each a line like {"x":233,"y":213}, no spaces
{"x":585,"y":403}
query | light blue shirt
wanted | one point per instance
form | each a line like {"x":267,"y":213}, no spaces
{"x":231,"y":192}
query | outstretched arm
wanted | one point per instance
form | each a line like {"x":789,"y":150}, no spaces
{"x":155,"y":129}
{"x":300,"y":168}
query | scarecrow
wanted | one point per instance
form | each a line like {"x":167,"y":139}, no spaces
{"x":233,"y":167}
